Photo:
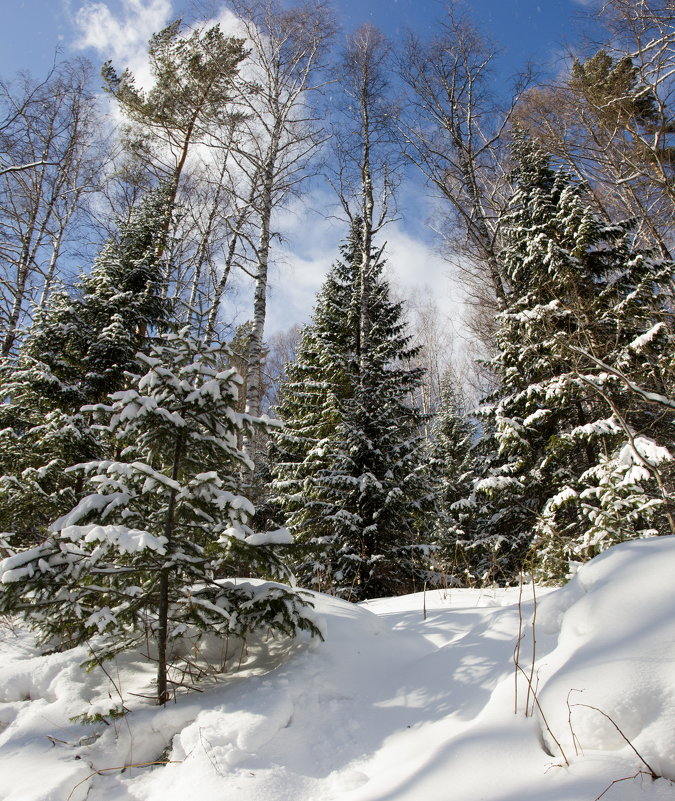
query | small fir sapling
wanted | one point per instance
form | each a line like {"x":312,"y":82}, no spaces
{"x":151,"y":550}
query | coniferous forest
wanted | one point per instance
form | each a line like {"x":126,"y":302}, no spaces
{"x":153,"y":449}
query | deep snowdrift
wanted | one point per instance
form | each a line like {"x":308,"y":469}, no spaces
{"x":392,"y":706}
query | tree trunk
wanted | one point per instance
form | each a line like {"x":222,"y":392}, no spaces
{"x":28,"y":250}
{"x":164,"y":585}
{"x":202,"y":249}
{"x":255,"y":354}
{"x":227,"y":267}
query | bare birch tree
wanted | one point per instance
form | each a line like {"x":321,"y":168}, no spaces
{"x":452,"y":132}
{"x":280,"y":133}
{"x":367,"y":152}
{"x":434,"y":336}
{"x":48,"y":164}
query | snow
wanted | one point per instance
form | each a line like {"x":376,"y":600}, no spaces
{"x":408,"y":698}
{"x":643,"y":449}
{"x":126,"y":540}
{"x":639,"y":343}
{"x":496,"y":483}
{"x":89,"y":504}
{"x":280,"y":536}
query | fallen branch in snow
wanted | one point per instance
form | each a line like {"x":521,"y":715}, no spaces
{"x":55,"y":740}
{"x":175,"y":683}
{"x":618,"y":781}
{"x":651,"y":770}
{"x":145,"y":696}
{"x":122,"y":768}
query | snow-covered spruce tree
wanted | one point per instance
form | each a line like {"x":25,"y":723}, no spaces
{"x":578,"y":290}
{"x":122,"y":300}
{"x":76,"y":352}
{"x":149,"y":550}
{"x":348,"y":465}
{"x":41,"y":430}
{"x":453,"y":466}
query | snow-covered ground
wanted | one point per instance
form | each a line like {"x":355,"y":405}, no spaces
{"x":393,"y":706}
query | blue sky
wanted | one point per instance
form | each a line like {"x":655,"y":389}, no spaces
{"x":524,"y":29}
{"x":534,"y":29}
{"x":119,"y":29}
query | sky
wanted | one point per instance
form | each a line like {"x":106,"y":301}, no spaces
{"x":526,"y":30}
{"x":534,"y":29}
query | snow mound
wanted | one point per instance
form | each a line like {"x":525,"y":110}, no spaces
{"x":611,"y":677}
{"x":408,"y":698}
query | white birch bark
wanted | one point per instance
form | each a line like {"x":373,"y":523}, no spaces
{"x":282,"y":133}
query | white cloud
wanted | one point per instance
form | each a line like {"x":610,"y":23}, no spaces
{"x":418,"y":268}
{"x":311,"y":245}
{"x":229,"y":23}
{"x":312,"y":242}
{"x":120,"y":32}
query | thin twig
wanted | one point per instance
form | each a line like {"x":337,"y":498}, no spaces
{"x":651,"y":770}
{"x":99,"y":661}
{"x":617,"y":781}
{"x":530,"y":688}
{"x":118,"y":689}
{"x":575,"y":739}
{"x":103,"y":771}
{"x":204,"y":743}
{"x":516,"y":654}
{"x":545,"y":722}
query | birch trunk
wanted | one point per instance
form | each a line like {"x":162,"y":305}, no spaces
{"x":255,"y":354}
{"x":164,"y":585}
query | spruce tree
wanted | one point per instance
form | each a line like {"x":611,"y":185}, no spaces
{"x":579,"y":290}
{"x":348,"y":465}
{"x":123,"y":300}
{"x":452,"y":461}
{"x":151,"y":545}
{"x":76,"y":352}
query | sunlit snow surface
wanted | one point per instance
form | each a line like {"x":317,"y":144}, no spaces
{"x":393,"y":706}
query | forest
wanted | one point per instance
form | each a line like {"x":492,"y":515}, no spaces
{"x":151,"y":449}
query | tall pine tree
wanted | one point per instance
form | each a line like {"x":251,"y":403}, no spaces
{"x":76,"y":352}
{"x":348,"y":465}
{"x":580,"y":294}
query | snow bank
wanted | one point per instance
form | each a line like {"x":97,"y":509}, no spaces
{"x":408,"y":698}
{"x":615,"y":657}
